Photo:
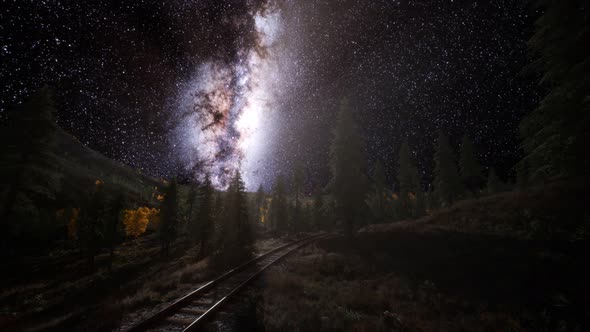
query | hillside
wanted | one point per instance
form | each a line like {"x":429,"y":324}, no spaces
{"x":515,"y":261}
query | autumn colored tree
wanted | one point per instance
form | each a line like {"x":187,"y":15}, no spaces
{"x":137,"y":221}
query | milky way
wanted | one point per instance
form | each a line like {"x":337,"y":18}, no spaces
{"x":225,"y":113}
{"x":211,"y":86}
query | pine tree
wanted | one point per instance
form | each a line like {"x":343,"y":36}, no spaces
{"x":494,"y":183}
{"x":259,"y":202}
{"x":279,"y":206}
{"x":28,"y":138}
{"x":205,"y":216}
{"x":318,"y":214}
{"x":113,"y":232}
{"x":297,"y":185}
{"x":347,"y":165}
{"x":169,"y":217}
{"x":379,"y":199}
{"x":190,"y":203}
{"x":447,"y":182}
{"x":470,"y":167}
{"x":557,"y":134}
{"x":238,"y":229}
{"x":91,"y":224}
{"x":409,"y":182}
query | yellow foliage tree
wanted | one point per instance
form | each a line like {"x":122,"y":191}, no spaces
{"x":136,"y":221}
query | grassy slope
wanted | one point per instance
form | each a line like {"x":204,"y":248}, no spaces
{"x":81,"y":166}
{"x":512,"y":261}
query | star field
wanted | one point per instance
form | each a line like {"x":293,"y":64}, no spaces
{"x":122,"y":68}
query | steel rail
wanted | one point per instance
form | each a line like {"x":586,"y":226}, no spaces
{"x":186,"y":300}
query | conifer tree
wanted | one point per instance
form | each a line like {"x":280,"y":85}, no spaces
{"x":447,"y":182}
{"x":279,"y":206}
{"x":205,"y":216}
{"x":379,"y":184}
{"x":557,"y":134}
{"x":238,"y":229}
{"x":169,"y":217}
{"x":259,"y":202}
{"x":494,"y":184}
{"x":297,"y":185}
{"x":409,"y":182}
{"x":191,"y":203}
{"x":113,"y":232}
{"x":348,"y":169}
{"x":470,"y":167}
{"x":28,"y":138}
{"x":91,"y":224}
{"x":318,"y":214}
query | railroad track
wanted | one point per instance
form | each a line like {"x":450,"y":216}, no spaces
{"x":192,"y":310}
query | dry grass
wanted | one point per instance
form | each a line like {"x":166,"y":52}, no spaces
{"x":329,"y":298}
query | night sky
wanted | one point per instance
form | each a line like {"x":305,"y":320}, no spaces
{"x":216,"y":85}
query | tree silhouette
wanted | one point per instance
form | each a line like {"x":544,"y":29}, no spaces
{"x":205,"y":216}
{"x":470,"y":167}
{"x":379,"y":184}
{"x":169,"y":217}
{"x":347,"y":165}
{"x":409,"y":182}
{"x":91,"y":224}
{"x":557,"y":134}
{"x":494,"y":184}
{"x":279,"y":206}
{"x":28,"y":138}
{"x":447,"y":182}
{"x":113,"y":233}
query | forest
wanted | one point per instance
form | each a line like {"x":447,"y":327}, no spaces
{"x":91,"y":243}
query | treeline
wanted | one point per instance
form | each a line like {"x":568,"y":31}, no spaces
{"x":356,"y":196}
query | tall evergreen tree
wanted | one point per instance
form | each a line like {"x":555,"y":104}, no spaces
{"x":169,"y":217}
{"x":91,"y":224}
{"x":494,"y":184}
{"x":470,"y":167}
{"x":279,"y":206}
{"x":27,"y":139}
{"x":259,"y":204}
{"x":348,"y":168}
{"x":557,"y":134}
{"x":112,"y":229}
{"x":297,"y":190}
{"x":318,"y":213}
{"x":409,"y":182}
{"x":447,"y":182}
{"x":205,"y":216}
{"x":237,"y":220}
{"x":379,"y":184}
{"x":191,"y":202}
